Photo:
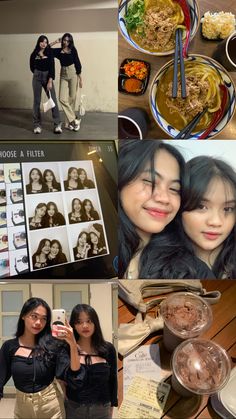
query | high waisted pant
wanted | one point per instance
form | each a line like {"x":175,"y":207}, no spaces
{"x":68,"y":91}
{"x":40,"y":80}
{"x":45,"y":404}
{"x":87,"y":411}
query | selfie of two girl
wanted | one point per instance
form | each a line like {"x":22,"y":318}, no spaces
{"x":72,"y":375}
{"x":176,"y":215}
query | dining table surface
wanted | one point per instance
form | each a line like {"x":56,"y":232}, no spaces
{"x":197,"y":45}
{"x":222,"y":331}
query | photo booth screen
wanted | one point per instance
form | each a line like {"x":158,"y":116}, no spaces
{"x":58,"y":210}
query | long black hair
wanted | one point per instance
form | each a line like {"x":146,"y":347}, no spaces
{"x":41,"y":38}
{"x":200,"y":171}
{"x":98,"y":342}
{"x":40,"y":175}
{"x":71,"y":40}
{"x":54,"y":181}
{"x":133,"y":157}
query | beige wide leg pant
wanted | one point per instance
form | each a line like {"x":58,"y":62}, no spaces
{"x":45,"y":404}
{"x":67,"y":91}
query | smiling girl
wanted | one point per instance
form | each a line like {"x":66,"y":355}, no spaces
{"x":210,"y":214}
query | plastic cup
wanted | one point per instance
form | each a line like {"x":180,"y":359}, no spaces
{"x":185,"y":316}
{"x":199,"y":367}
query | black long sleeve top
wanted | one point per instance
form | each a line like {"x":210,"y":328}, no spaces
{"x":34,"y":373}
{"x":100,"y":381}
{"x":45,"y":63}
{"x":67,"y":59}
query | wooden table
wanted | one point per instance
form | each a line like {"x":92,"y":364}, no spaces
{"x":222,"y":331}
{"x":198,"y":46}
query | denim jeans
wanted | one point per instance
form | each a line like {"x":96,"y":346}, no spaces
{"x":40,"y":80}
{"x":87,"y":411}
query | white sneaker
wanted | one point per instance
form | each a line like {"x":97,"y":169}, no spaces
{"x":37,"y":130}
{"x":58,"y":129}
{"x":75,"y":125}
{"x":68,"y":126}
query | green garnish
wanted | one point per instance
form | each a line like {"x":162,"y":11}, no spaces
{"x":134,"y":15}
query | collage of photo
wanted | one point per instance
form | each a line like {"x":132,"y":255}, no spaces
{"x":73,"y":199}
{"x":13,"y":238}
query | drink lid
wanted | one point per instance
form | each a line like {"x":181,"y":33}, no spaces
{"x":201,"y":366}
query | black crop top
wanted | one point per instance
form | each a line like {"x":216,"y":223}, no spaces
{"x":100,"y":381}
{"x":34,"y":373}
{"x":43,"y":64}
{"x":67,"y":59}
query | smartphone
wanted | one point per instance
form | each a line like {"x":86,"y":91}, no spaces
{"x":58,"y":317}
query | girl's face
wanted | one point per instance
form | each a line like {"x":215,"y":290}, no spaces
{"x":35,"y":320}
{"x":46,"y":248}
{"x":65,"y":41}
{"x":94,"y":238}
{"x":82,"y":239}
{"x":77,"y":205}
{"x":82,"y":176}
{"x":88,"y":206}
{"x":150,"y":211}
{"x":35,"y":176}
{"x":84,"y":326}
{"x":43,"y":44}
{"x":51,"y":210}
{"x":54,"y":249}
{"x":49,"y":177}
{"x":74,"y":174}
{"x":41,"y":211}
{"x":211,"y":223}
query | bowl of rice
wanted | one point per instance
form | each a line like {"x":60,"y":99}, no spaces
{"x":205,"y":78}
{"x":149,"y":25}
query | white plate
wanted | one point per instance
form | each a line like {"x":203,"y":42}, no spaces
{"x":227,"y":394}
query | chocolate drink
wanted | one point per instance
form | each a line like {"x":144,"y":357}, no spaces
{"x":232,"y":50}
{"x":199,"y":367}
{"x":185,"y":316}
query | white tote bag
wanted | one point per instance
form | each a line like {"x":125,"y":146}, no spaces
{"x":82,"y":105}
{"x":49,"y":104}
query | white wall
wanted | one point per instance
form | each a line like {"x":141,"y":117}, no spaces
{"x":225,"y":150}
{"x":98,"y":55}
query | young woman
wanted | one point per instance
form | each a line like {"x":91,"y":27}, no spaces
{"x":71,"y":183}
{"x":89,"y":213}
{"x":51,"y":184}
{"x":43,"y":69}
{"x":40,"y":257}
{"x":37,"y":221}
{"x":209,"y":214}
{"x":70,"y":78}
{"x":82,"y":247}
{"x":53,"y":218}
{"x":56,"y":256}
{"x":96,"y":396}
{"x":33,"y":358}
{"x":97,"y":241}
{"x":84,"y":182}
{"x":36,"y":184}
{"x":76,"y":215}
{"x":151,"y":176}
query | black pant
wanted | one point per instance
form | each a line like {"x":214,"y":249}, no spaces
{"x":40,"y":80}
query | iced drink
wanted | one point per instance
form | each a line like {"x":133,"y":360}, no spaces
{"x":185,"y":316}
{"x":199,"y":367}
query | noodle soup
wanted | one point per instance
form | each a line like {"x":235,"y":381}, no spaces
{"x":150,"y":25}
{"x":203,"y":91}
{"x":156,"y":30}
{"x":170,"y":119}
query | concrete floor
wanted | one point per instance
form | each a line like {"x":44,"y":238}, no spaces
{"x":17,"y":124}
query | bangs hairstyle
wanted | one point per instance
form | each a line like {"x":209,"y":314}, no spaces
{"x":200,"y":171}
{"x":71,"y":40}
{"x":134,"y":156}
{"x":97,"y":339}
{"x":41,"y":38}
{"x":30,"y":305}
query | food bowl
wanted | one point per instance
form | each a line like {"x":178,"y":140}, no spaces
{"x":166,"y":126}
{"x":123,"y":7}
{"x":137,"y":70}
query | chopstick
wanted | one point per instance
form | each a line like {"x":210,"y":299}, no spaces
{"x":179,"y":57}
{"x":186,"y":131}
